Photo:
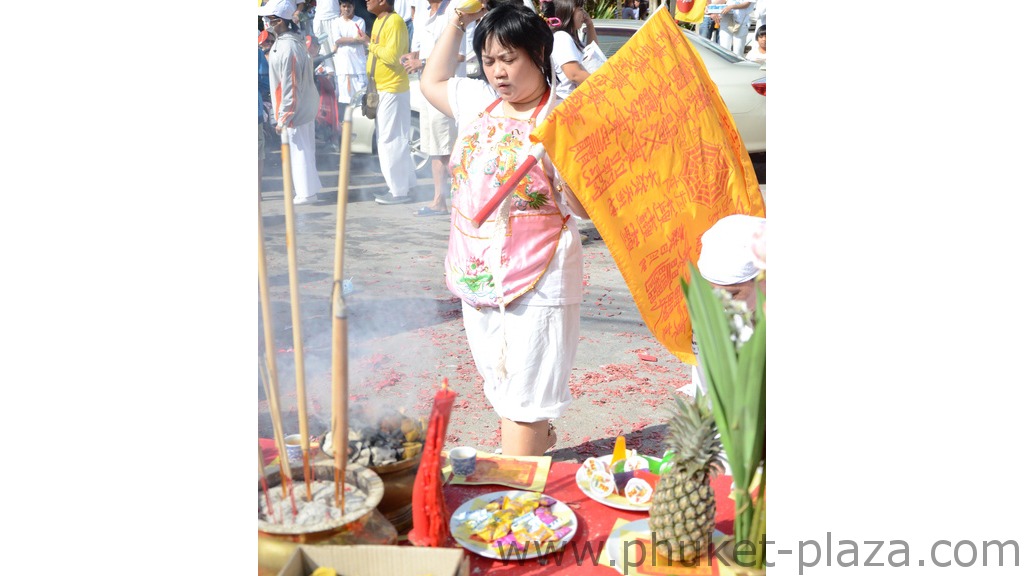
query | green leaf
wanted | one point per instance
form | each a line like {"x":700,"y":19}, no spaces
{"x":737,"y":386}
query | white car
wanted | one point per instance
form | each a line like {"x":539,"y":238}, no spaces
{"x":741,"y":83}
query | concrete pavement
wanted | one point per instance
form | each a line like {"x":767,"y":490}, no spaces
{"x":405,"y":329}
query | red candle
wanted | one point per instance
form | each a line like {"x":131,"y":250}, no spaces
{"x":429,"y":515}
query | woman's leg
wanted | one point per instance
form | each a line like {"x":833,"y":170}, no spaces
{"x":526,"y":438}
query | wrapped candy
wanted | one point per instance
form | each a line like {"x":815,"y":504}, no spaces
{"x":591,"y":465}
{"x":636,"y":462}
{"x":638,"y":492}
{"x":602,"y":484}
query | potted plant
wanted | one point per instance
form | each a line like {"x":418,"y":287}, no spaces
{"x":731,"y":343}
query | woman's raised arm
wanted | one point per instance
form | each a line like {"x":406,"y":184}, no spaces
{"x":443,"y":60}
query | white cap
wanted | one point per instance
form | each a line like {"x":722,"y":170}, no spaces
{"x":726,"y":256}
{"x":280,"y":8}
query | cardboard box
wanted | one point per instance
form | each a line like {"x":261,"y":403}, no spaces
{"x":377,"y":561}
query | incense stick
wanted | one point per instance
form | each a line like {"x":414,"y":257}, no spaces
{"x":282,"y":451}
{"x":270,"y":374}
{"x":339,"y":323}
{"x":263,"y":481}
{"x":293,"y":288}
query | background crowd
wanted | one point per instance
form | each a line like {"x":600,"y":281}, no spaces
{"x":315,"y":57}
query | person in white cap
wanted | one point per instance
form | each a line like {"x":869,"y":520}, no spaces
{"x":295,"y":97}
{"x":727,"y":256}
{"x":728,"y":261}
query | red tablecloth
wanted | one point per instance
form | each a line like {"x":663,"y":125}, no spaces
{"x":595,"y":523}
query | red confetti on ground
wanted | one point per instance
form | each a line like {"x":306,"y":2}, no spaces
{"x":391,"y":378}
{"x":647,"y":357}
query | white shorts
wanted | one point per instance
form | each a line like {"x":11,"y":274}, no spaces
{"x":437,"y":132}
{"x":541,"y":349}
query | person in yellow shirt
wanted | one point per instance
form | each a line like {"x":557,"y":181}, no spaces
{"x":389,"y":40}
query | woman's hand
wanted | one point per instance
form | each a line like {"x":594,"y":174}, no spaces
{"x":467,"y":18}
{"x":580,"y":17}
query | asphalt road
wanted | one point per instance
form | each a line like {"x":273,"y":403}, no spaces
{"x":404,"y":329}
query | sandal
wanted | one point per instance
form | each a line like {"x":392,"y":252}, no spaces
{"x":428,"y":211}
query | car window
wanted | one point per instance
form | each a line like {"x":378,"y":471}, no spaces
{"x":697,"y":39}
{"x":611,"y":39}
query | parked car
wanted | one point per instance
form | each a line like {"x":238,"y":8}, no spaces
{"x":741,"y":83}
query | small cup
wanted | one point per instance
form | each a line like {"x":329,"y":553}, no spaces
{"x":293,"y":444}
{"x":463,"y":460}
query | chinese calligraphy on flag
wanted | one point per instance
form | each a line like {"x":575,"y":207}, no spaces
{"x":651,"y":151}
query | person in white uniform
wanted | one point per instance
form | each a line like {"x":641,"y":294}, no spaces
{"x":437,"y":131}
{"x":294,"y":95}
{"x":734,"y":25}
{"x":326,"y":12}
{"x":350,"y":37}
{"x":728,"y":261}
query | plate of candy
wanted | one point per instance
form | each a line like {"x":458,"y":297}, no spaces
{"x":513,"y":525}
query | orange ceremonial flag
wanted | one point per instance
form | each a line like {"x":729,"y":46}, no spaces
{"x":690,"y":10}
{"x":651,"y":151}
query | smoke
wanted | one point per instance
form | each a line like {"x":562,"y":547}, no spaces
{"x":393,"y":353}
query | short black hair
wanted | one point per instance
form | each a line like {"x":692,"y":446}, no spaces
{"x":513,"y":25}
{"x":760,"y":31}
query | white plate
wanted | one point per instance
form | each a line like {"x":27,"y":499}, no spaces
{"x":614,"y":543}
{"x":613,"y":499}
{"x":461,"y":533}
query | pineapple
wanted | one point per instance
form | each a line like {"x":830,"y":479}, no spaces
{"x":683,"y":506}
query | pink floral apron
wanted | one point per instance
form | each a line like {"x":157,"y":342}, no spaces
{"x":523,"y":231}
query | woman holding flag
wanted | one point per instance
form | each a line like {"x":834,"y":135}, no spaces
{"x":520,"y":274}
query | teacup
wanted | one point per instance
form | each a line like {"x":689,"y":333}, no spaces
{"x":463,"y":460}
{"x":293,"y":444}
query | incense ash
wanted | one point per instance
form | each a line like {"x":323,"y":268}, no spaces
{"x":320,"y":513}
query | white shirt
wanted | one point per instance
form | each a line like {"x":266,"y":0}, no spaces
{"x":754,"y":55}
{"x":350,"y":58}
{"x":563,"y":52}
{"x":404,"y":9}
{"x":325,"y":10}
{"x":427,"y":29}
{"x":760,"y":13}
{"x":740,"y":14}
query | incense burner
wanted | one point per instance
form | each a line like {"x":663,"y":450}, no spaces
{"x":363,"y":525}
{"x":391,"y":445}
